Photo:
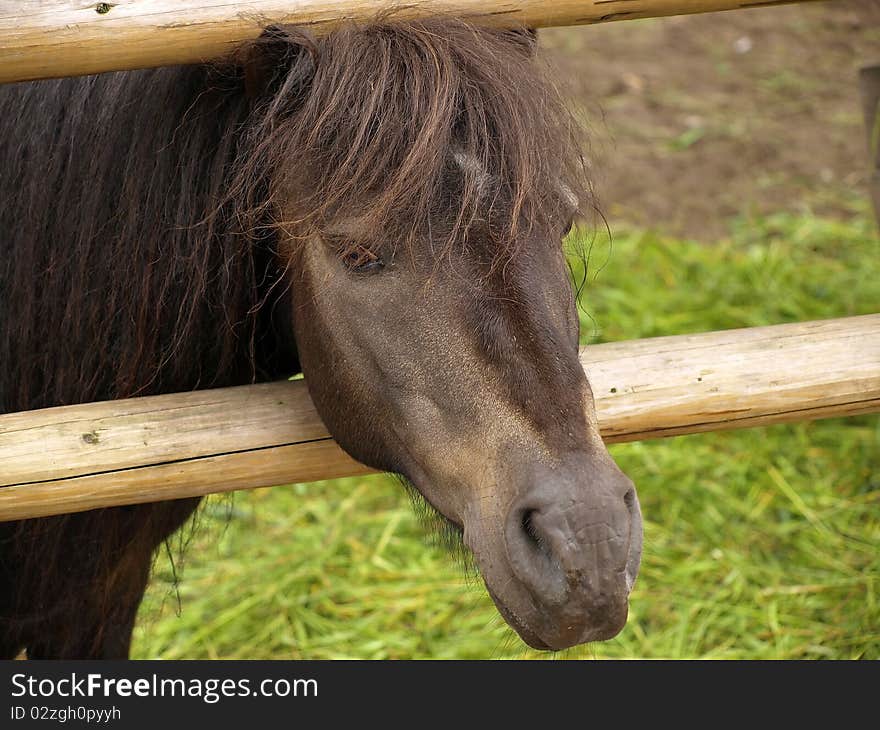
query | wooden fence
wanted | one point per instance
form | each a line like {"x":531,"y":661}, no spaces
{"x":81,"y":457}
{"x":52,"y":38}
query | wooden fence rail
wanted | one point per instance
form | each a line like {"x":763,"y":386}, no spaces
{"x":53,"y":38}
{"x":81,"y":457}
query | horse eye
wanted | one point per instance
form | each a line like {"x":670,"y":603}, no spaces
{"x":360,"y":260}
{"x":568,"y":227}
{"x":369,"y":267}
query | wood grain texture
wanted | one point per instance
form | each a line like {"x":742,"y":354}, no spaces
{"x":75,"y":458}
{"x":53,"y":38}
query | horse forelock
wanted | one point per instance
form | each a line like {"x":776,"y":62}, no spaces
{"x":418,"y":129}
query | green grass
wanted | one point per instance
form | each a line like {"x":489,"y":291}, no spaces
{"x":758,"y":544}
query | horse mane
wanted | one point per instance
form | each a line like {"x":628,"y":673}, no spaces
{"x":112,"y":281}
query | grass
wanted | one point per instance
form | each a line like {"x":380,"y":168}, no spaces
{"x":759,"y":544}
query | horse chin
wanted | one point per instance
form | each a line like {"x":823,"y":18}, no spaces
{"x":518,"y":625}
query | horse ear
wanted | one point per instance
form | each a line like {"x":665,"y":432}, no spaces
{"x":268,"y":61}
{"x":527,"y":38}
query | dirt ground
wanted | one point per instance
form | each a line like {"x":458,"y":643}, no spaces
{"x":697,"y":119}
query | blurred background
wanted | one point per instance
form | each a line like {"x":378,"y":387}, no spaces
{"x":730,"y":156}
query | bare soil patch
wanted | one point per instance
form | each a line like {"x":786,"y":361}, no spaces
{"x":699,"y":119}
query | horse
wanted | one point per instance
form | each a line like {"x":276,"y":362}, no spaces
{"x":381,"y":209}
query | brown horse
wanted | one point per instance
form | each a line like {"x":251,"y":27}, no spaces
{"x":382,"y":209}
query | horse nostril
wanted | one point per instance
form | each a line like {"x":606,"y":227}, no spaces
{"x":528,"y":527}
{"x":531,"y":555}
{"x":535,"y":540}
{"x":634,"y":542}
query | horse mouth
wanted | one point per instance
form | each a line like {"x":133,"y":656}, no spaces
{"x":564,"y":641}
{"x":542,"y":628}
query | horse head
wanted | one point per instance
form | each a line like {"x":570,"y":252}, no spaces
{"x":421,"y":178}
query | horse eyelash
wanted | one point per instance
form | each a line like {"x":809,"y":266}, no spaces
{"x":354,"y":255}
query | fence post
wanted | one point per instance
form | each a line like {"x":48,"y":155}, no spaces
{"x":869,"y":81}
